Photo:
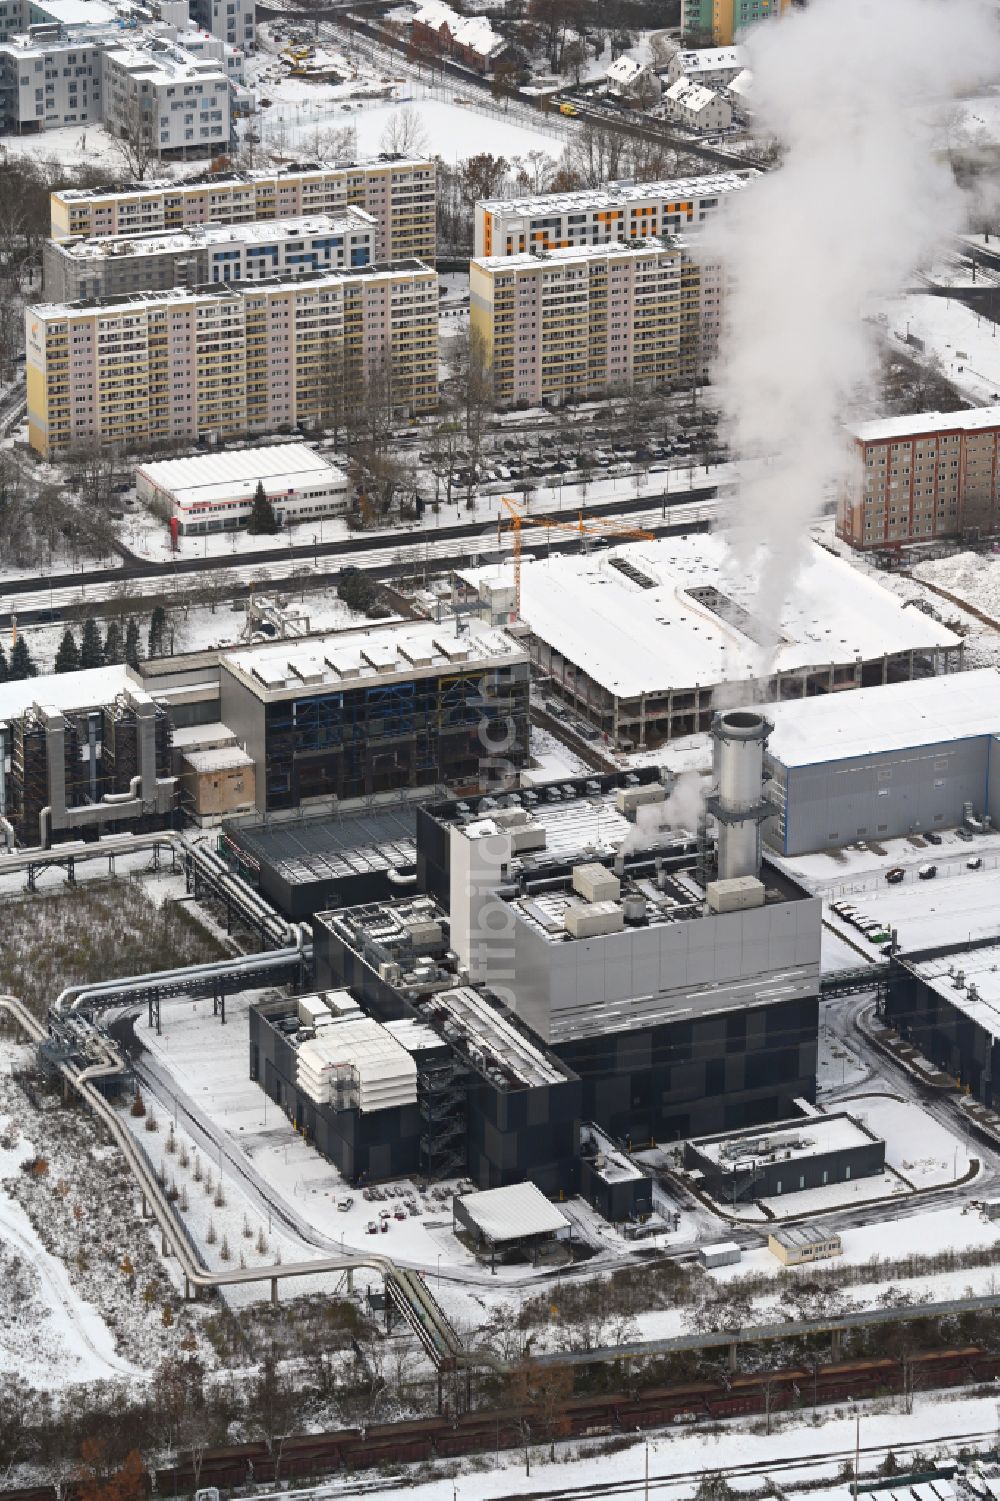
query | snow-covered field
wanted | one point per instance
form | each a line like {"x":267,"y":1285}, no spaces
{"x":967,"y":345}
{"x":970,"y":576}
{"x":448,"y":128}
{"x":916,"y":1146}
{"x":677,"y":1459}
{"x":49,"y":1335}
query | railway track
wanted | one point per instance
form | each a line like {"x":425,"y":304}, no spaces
{"x":322,"y":1457}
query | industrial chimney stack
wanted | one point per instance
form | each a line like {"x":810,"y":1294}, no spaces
{"x":739,"y":804}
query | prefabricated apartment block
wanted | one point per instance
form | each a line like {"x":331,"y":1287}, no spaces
{"x":919,"y":478}
{"x":228,"y":360}
{"x":119,"y":265}
{"x":582,"y":322}
{"x":601,"y":216}
{"x":399,"y":193}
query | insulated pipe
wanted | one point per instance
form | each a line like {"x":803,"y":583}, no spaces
{"x":397,"y":878}
{"x":76,"y":996}
{"x":133,"y":794}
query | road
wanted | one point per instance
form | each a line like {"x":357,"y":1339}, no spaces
{"x":384,"y":555}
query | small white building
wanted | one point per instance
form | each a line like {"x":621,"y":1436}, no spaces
{"x":697,"y":107}
{"x":739,"y":93}
{"x":715,"y":67}
{"x":629,"y":79}
{"x":214,"y":492}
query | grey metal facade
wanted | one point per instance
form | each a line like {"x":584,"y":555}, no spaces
{"x":833,"y":803}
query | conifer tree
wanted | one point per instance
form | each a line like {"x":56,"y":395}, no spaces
{"x":262,"y":517}
{"x":91,"y":647}
{"x":132,"y":643}
{"x":21,"y":665}
{"x":114,"y":646}
{"x":157,"y":630}
{"x":68,"y":655}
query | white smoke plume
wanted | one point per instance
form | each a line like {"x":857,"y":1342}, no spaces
{"x":856,"y":92}
{"x":680,"y":810}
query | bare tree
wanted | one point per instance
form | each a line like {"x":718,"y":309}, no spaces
{"x":133,"y":134}
{"x":404,"y":133}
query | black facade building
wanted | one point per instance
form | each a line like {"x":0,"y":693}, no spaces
{"x":308,"y":865}
{"x":947,"y":1003}
{"x":690,"y":1078}
{"x":384,"y":1144}
{"x":786,"y":1157}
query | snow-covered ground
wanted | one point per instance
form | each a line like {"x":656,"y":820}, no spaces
{"x":970,"y":576}
{"x":967,"y":345}
{"x":676,"y":1460}
{"x":854,"y":871}
{"x":451,"y":126}
{"x":49,"y":1336}
{"x":837,"y":1065}
{"x":920,"y":1149}
{"x":551,"y":759}
{"x":956,"y":906}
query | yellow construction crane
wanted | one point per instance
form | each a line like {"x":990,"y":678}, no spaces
{"x":602,"y":527}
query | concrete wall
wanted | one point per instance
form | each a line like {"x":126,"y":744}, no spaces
{"x":243,"y":712}
{"x":833,"y":803}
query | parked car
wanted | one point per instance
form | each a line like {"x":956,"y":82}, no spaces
{"x":372,"y":1227}
{"x":927,"y":872}
{"x":964,"y":834}
{"x":344,"y":1203}
{"x":975,"y":862}
{"x":895,"y":875}
{"x":932,"y":838}
{"x":385,"y":1226}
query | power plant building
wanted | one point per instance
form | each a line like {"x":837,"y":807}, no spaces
{"x":884,"y":762}
{"x":350,"y":715}
{"x":946,"y":1002}
{"x":642,"y":639}
{"x":83,"y":752}
{"x":588,"y":963}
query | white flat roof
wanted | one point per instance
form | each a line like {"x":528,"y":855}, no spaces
{"x":347,"y":659}
{"x":648,"y":636}
{"x":711,"y":59}
{"x":218,"y":758}
{"x":258,"y":231}
{"x":66,"y":690}
{"x":875,"y":721}
{"x":925,"y":424}
{"x":206,"y":182}
{"x":78,"y":12}
{"x":564,"y":255}
{"x":207,"y":477}
{"x":513,"y":1212}
{"x":679,"y":189}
